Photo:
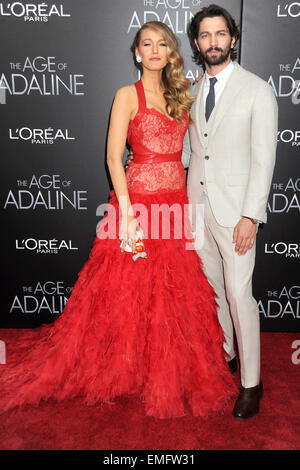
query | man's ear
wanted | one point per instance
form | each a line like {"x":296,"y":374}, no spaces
{"x":233,"y":42}
{"x":197,"y":45}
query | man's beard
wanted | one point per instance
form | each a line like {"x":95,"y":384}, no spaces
{"x":218,"y":59}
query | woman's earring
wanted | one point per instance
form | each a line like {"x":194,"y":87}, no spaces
{"x":138,"y":59}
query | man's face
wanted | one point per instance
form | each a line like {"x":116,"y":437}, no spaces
{"x":214,"y":41}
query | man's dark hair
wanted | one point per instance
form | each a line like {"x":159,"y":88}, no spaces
{"x":210,"y":12}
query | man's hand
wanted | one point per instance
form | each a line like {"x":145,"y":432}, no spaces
{"x":244,"y":236}
{"x":129,"y":159}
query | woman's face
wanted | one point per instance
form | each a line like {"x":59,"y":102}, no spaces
{"x":153,"y":50}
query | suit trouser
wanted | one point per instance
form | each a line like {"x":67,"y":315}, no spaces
{"x":231,"y":277}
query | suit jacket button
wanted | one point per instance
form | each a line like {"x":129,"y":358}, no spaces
{"x":206,"y":157}
{"x":205,"y":135}
{"x":201,"y":182}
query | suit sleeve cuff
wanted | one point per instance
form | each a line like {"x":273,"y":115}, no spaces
{"x":254,"y":221}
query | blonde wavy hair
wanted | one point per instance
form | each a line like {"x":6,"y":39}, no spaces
{"x":176,"y":86}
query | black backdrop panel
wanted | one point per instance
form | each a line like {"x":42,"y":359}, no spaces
{"x":62,"y":64}
{"x":270,"y":49}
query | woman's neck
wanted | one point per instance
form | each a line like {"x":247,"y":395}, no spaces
{"x":152,"y":81}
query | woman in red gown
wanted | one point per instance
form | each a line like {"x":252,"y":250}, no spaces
{"x":146,"y":328}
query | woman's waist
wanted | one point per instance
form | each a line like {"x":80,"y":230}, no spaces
{"x":156,"y":167}
{"x":156,"y":176}
{"x":153,"y":157}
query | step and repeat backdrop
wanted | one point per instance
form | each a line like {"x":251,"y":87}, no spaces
{"x":61,"y":65}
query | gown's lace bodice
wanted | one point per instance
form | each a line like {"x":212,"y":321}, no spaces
{"x":156,"y":141}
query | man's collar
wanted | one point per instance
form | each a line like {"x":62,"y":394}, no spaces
{"x":223,"y":74}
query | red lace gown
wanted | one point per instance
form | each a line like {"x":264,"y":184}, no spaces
{"x":146,"y":328}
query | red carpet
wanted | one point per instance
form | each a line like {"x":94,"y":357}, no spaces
{"x":73,"y":426}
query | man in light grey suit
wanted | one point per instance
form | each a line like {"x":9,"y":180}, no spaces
{"x":230,"y":151}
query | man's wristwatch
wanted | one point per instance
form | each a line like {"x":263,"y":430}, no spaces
{"x":254,"y":221}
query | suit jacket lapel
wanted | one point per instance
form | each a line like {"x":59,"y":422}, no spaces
{"x":232,"y":88}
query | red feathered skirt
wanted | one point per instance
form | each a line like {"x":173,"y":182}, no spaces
{"x":146,"y":328}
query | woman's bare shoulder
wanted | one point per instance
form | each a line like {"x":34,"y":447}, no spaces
{"x":126,"y":100}
{"x":127,"y":92}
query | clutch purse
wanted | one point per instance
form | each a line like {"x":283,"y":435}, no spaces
{"x":139,"y":246}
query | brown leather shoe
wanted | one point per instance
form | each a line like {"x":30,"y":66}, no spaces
{"x":232,"y":365}
{"x":247,"y":404}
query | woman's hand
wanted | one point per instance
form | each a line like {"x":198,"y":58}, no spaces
{"x":128,"y":228}
{"x":198,"y":78}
